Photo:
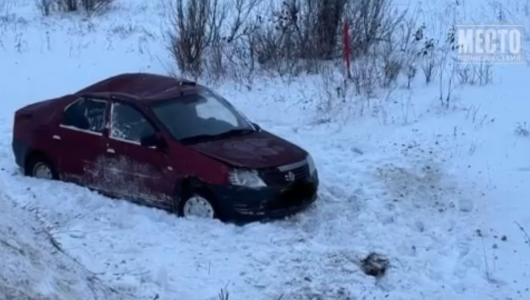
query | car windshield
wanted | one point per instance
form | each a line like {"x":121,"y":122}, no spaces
{"x":202,"y":116}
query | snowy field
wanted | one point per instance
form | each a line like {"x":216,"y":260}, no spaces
{"x":443,"y":193}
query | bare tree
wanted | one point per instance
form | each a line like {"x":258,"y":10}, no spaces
{"x":204,"y":36}
{"x":371,"y":22}
{"x":46,"y":7}
{"x":329,"y":18}
{"x":190,"y":33}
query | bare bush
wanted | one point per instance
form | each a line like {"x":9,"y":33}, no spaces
{"x":333,"y":94}
{"x":388,"y":43}
{"x":280,"y":38}
{"x":522,"y":130}
{"x":232,"y":50}
{"x":448,"y":74}
{"x":91,"y":7}
{"x":299,"y":34}
{"x":429,"y":60}
{"x":364,"y":76}
{"x":475,"y":74}
{"x":6,"y":14}
{"x":371,"y":22}
{"x":223,"y":294}
{"x":67,"y":5}
{"x":484,"y":73}
{"x":392,"y":65}
{"x":466,"y":75}
{"x":246,"y":38}
{"x":407,"y":41}
{"x":45,"y":7}
{"x":190,"y":33}
{"x":447,"y":84}
{"x":202,"y":39}
{"x":95,"y":6}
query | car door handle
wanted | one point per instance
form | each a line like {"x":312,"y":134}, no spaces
{"x":56,"y":137}
{"x":110,"y":150}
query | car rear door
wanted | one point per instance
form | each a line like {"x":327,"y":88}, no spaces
{"x":135,"y":171}
{"x":80,"y":140}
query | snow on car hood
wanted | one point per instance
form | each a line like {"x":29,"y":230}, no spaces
{"x":257,"y":150}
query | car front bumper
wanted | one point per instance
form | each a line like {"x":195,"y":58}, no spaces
{"x":244,"y":204}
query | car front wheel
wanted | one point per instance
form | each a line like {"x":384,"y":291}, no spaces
{"x":42,"y":168}
{"x":197,"y":206}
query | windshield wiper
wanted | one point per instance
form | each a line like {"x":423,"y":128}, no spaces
{"x":235,"y":132}
{"x":198,"y":138}
{"x":209,"y":137}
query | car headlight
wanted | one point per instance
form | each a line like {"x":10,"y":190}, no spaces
{"x":246,"y":178}
{"x":311,"y":165}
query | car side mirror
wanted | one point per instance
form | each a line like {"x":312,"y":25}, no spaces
{"x":153,"y":141}
{"x":258,"y":128}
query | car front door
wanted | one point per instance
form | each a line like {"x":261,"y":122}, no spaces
{"x":135,"y":171}
{"x":80,"y":140}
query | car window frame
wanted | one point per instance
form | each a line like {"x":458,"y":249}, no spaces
{"x":139,"y":110}
{"x":90,"y":98}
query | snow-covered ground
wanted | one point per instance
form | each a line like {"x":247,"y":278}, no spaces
{"x":34,"y":264}
{"x":442,"y":192}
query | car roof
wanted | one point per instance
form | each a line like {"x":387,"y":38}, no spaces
{"x":145,"y":87}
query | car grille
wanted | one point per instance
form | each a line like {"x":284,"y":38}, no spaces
{"x":286,"y":174}
{"x":294,"y":196}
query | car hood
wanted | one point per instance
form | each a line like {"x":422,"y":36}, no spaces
{"x":260,"y":149}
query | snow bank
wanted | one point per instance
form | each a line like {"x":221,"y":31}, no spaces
{"x":34,"y":265}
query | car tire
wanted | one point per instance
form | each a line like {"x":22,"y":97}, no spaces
{"x":39,"y":166}
{"x":197,"y":204}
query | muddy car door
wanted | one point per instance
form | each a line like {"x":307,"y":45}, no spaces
{"x":134,"y":171}
{"x":79,"y":139}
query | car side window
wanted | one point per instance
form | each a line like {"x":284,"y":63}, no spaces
{"x":129,"y":124}
{"x":85,"y":114}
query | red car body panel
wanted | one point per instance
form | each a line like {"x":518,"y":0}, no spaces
{"x":257,"y":151}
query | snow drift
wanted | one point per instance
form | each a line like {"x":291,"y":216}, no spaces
{"x":34,"y":265}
